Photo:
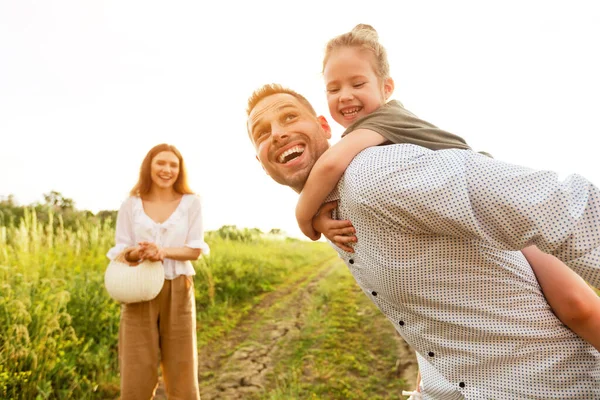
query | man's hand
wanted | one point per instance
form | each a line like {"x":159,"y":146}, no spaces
{"x":340,"y":233}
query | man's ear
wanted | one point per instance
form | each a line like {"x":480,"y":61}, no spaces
{"x":263,"y":167}
{"x":325,"y":126}
{"x":388,"y":87}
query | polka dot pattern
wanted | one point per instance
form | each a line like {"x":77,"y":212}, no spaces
{"x":439,"y":234}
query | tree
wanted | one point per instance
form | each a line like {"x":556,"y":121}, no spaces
{"x":57,"y":201}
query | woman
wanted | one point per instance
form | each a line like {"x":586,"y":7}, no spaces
{"x":160,"y":221}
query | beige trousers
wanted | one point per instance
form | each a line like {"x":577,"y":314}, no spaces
{"x":160,"y":330}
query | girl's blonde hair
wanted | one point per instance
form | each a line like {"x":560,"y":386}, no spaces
{"x":364,"y":37}
{"x":144,"y":183}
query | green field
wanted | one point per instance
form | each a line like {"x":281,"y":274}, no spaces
{"x":58,"y":327}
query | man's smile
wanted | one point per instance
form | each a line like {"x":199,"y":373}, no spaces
{"x":290,"y":153}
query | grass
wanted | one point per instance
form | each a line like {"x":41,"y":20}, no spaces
{"x":58,"y":327}
{"x":345,"y":350}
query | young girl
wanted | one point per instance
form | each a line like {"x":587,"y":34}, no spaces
{"x":358,"y":84}
{"x":161,"y":221}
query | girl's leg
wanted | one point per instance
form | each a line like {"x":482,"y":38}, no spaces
{"x":178,"y":340}
{"x":138,"y":350}
{"x":571,"y":298}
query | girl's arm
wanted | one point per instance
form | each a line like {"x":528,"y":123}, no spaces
{"x":326,"y":173}
{"x":571,"y":298}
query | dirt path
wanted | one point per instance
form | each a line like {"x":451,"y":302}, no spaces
{"x":237,"y":366}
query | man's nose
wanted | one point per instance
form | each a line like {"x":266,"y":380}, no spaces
{"x":279,"y":133}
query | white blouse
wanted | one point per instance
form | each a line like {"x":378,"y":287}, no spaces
{"x":182,"y":229}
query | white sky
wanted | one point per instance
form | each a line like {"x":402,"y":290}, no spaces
{"x":88,"y":87}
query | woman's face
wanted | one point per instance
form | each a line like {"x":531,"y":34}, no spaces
{"x":164,"y":169}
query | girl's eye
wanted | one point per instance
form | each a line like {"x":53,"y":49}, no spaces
{"x":333,"y":90}
{"x":359,"y":85}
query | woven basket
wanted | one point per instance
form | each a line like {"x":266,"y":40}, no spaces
{"x":127,"y":284}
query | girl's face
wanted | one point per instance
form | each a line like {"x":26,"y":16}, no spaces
{"x":353,"y":88}
{"x":164,"y":169}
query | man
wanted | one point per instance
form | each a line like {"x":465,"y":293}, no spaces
{"x":439,"y":234}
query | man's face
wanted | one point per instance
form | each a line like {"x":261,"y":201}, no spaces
{"x":288,"y":139}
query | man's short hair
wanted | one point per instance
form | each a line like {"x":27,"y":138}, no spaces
{"x":275,"y":88}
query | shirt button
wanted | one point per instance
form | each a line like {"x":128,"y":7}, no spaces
{"x":462,"y":384}
{"x":351,"y":261}
{"x":401,"y":323}
{"x":431,"y":354}
{"x":374,"y":293}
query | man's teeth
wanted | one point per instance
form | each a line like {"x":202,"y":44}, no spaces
{"x":295,"y":151}
{"x":350,"y":111}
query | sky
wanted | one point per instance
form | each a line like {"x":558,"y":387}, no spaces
{"x":88,"y":87}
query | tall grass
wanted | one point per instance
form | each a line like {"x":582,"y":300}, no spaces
{"x":58,"y":327}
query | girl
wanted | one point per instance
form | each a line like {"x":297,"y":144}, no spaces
{"x":358,"y":84}
{"x":161,"y":221}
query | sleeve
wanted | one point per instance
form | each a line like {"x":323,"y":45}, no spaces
{"x":398,"y":125}
{"x":195,"y":237}
{"x":124,"y":236}
{"x":464,"y":194}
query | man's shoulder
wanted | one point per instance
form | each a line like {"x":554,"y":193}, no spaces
{"x":374,"y":164}
{"x":399,"y":163}
{"x":389,"y":153}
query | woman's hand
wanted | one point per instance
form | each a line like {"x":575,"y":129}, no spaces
{"x":130,"y":256}
{"x":151,"y":251}
{"x":340,"y":233}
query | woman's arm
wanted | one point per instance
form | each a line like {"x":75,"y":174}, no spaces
{"x":571,"y":298}
{"x":326,"y":173}
{"x":124,"y":236}
{"x":181,"y":253}
{"x":194,"y":240}
{"x":151,"y":251}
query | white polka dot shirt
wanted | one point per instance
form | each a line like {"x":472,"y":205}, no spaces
{"x":439,"y":234}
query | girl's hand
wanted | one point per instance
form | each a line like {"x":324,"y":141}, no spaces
{"x":304,"y":220}
{"x":340,"y":233}
{"x":306,"y":226}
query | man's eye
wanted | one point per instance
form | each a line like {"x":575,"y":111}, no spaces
{"x":290,"y":117}
{"x":261,"y":134}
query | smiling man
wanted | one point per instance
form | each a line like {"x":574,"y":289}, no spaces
{"x":287,"y":155}
{"x":439,"y":234}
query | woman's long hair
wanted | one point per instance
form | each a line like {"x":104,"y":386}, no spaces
{"x":144,"y":183}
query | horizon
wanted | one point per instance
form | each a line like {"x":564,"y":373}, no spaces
{"x":86,"y":89}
